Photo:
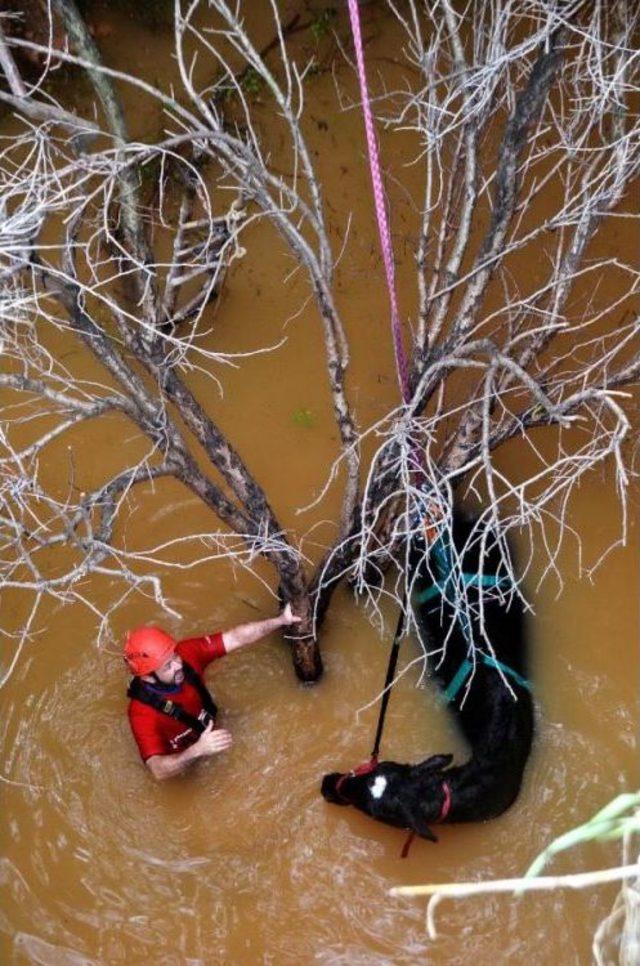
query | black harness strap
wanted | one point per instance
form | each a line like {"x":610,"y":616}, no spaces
{"x":391,"y":670}
{"x":140,"y":691}
{"x":204,"y":694}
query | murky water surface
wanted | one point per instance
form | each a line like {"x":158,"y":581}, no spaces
{"x":242,"y":861}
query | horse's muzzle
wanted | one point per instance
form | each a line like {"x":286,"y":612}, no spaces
{"x":329,"y":788}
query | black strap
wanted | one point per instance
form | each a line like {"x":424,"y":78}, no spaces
{"x":140,"y":691}
{"x":192,"y":676}
{"x":391,"y":670}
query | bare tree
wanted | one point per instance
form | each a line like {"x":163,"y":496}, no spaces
{"x":516,"y":108}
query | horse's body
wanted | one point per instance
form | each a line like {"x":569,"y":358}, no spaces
{"x":495,"y":719}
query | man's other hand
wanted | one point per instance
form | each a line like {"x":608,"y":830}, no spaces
{"x":214,"y":740}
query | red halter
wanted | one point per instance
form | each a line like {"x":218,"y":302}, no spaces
{"x":363,"y":769}
{"x":446,"y":805}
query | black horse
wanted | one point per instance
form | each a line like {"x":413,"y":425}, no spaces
{"x":482,"y":675}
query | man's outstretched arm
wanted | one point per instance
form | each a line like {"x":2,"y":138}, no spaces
{"x":245,"y":634}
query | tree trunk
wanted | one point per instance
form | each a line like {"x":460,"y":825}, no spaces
{"x":303,"y":637}
{"x":307,"y":661}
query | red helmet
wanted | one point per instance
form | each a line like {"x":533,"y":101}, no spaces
{"x":147,"y":648}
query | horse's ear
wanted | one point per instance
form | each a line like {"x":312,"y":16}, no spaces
{"x":435,"y":763}
{"x":425,"y":833}
{"x":416,"y":823}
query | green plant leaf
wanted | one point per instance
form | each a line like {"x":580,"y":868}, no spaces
{"x":609,"y":823}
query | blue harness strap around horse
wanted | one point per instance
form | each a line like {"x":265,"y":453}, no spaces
{"x":466,"y":668}
{"x":470,"y":580}
{"x":444,"y":567}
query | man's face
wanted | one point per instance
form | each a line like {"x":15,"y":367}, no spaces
{"x":171,"y":672}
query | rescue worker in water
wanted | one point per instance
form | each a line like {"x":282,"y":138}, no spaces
{"x":171,"y":712}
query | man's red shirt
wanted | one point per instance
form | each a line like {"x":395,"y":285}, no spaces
{"x":158,"y":734}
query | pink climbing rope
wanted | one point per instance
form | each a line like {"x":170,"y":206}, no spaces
{"x":381,"y":212}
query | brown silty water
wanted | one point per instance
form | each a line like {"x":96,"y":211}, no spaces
{"x":241,"y":861}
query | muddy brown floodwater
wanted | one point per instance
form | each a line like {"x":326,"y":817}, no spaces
{"x":242,"y":861}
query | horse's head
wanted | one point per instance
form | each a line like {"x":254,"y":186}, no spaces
{"x":406,"y":796}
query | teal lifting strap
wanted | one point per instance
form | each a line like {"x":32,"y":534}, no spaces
{"x":470,"y":580}
{"x":467,"y":666}
{"x":444,"y":567}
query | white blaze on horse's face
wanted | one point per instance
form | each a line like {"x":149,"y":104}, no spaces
{"x":378,"y":787}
